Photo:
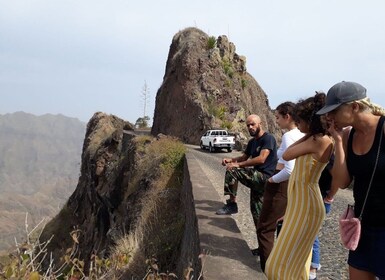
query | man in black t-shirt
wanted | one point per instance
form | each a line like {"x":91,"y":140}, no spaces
{"x":252,"y":169}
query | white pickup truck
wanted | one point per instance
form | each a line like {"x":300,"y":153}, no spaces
{"x":216,"y":140}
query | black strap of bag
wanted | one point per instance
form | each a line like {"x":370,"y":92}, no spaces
{"x":374,"y":171}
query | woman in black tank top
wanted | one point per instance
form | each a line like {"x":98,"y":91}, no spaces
{"x":362,"y":173}
{"x":356,"y":125}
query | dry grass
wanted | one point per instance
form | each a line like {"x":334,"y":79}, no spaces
{"x":159,"y":227}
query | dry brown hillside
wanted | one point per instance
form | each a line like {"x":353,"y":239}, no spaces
{"x":39,"y":169}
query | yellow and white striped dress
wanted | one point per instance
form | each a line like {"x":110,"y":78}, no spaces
{"x":305,"y":212}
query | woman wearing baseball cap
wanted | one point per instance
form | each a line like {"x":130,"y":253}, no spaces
{"x":356,"y":125}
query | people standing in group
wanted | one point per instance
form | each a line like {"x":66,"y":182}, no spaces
{"x":275,"y":195}
{"x":305,"y":212}
{"x":356,"y":125}
{"x":252,"y":169}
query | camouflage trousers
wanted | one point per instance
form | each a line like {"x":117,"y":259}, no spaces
{"x":252,"y":179}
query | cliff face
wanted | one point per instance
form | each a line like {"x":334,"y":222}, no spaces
{"x":205,"y":86}
{"x":105,"y":166}
{"x":128,"y":193}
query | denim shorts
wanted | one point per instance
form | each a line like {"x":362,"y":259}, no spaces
{"x":370,"y":253}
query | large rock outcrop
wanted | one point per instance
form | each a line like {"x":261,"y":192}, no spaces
{"x":205,"y":86}
{"x":92,"y":209}
{"x":129,"y":194}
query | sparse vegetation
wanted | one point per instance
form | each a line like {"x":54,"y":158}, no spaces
{"x":25,"y":262}
{"x":228,"y":68}
{"x":160,"y":225}
{"x":217,"y":111}
{"x":228,"y":83}
{"x":142,"y":122}
{"x":243,"y":83}
{"x":211,"y":42}
{"x":227,"y":125}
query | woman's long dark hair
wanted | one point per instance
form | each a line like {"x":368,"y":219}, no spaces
{"x":306,"y":110}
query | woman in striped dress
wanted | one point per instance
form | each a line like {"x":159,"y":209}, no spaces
{"x":305,"y":212}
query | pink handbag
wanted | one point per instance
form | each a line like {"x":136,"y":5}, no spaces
{"x":350,"y":228}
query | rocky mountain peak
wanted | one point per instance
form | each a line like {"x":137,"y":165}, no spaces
{"x":206,"y":85}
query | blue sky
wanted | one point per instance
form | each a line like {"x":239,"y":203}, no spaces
{"x":79,"y":57}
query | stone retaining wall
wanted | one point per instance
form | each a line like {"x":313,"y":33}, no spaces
{"x":212,"y":244}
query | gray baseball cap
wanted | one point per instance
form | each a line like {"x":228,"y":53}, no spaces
{"x":341,"y":93}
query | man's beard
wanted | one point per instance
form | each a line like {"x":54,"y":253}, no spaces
{"x":256,"y":132}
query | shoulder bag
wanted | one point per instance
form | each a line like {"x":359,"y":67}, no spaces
{"x":350,"y":226}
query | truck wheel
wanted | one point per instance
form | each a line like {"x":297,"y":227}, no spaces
{"x":202,"y":147}
{"x":211,"y":148}
{"x":229,"y":150}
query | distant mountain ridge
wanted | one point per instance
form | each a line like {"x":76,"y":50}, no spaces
{"x":39,"y":168}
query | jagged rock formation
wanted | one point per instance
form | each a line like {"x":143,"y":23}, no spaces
{"x":90,"y":209}
{"x":205,"y":86}
{"x":118,"y":194}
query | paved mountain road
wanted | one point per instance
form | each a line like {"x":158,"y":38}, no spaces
{"x":333,"y":254}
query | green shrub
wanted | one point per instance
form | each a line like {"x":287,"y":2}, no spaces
{"x":218,"y":112}
{"x":159,"y":229}
{"x":227,"y":125}
{"x":211,"y":42}
{"x":169,"y":154}
{"x":228,"y":68}
{"x":243,"y":83}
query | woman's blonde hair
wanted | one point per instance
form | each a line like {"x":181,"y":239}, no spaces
{"x":366,"y":105}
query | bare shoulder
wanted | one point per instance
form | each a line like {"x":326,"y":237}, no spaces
{"x":323,"y":140}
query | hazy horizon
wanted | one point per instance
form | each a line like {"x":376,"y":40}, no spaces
{"x":79,"y":57}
